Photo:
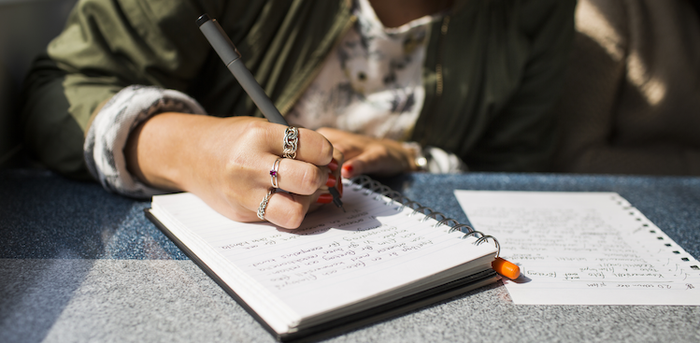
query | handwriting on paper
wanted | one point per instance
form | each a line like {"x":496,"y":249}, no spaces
{"x":578,"y":241}
{"x":377,"y":248}
{"x":350,"y":249}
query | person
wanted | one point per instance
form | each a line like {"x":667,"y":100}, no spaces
{"x":132,"y":92}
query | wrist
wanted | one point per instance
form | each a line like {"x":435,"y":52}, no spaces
{"x":109,"y":144}
{"x":160,"y":149}
{"x":417,"y":158}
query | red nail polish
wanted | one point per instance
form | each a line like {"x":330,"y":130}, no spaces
{"x":333,"y":165}
{"x":348,"y":168}
{"x":331,"y":180}
{"x":324,"y":199}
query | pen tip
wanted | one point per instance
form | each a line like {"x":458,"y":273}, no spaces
{"x":336,"y":198}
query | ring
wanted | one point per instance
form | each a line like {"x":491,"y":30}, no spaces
{"x":263,"y":203}
{"x":273,"y":173}
{"x":291,"y":140}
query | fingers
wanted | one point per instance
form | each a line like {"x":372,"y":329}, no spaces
{"x":312,"y":147}
{"x":297,"y":176}
{"x":301,"y":186}
{"x":336,"y":169}
{"x":377,"y":159}
{"x":287,"y":210}
{"x":351,"y":169}
{"x":258,"y":164}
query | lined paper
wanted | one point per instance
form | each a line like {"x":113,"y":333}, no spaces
{"x":577,"y":248}
{"x":335,"y":260}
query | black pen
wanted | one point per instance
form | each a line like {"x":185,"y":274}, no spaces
{"x":225,"y":48}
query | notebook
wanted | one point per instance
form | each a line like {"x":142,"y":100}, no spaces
{"x":339,"y":270}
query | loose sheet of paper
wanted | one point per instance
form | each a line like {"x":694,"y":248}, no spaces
{"x":582,"y":248}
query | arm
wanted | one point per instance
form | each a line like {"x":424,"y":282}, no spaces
{"x":225,"y":161}
{"x":106,"y":46}
{"x":109,"y":46}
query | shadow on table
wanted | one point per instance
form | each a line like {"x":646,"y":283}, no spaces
{"x":51,"y":232}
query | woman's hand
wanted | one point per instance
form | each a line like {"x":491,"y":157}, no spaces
{"x":227,"y":163}
{"x":366,"y":155}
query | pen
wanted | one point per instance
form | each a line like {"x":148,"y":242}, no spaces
{"x":225,"y":48}
{"x":232,"y":59}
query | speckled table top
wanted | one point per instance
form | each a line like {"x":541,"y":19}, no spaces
{"x":80,"y":264}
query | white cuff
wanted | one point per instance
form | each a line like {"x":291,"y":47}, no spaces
{"x":109,"y":132}
{"x":435,"y":160}
{"x":443,"y":162}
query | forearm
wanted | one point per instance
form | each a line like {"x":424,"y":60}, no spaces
{"x":160,"y":150}
{"x":169,"y":150}
{"x":106,"y":140}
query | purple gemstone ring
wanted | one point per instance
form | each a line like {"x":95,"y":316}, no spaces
{"x":274,"y":172}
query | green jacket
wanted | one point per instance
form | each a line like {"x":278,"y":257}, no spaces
{"x":492,"y":74}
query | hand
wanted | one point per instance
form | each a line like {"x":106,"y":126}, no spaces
{"x":335,"y":168}
{"x":366,"y":155}
{"x":226,"y":162}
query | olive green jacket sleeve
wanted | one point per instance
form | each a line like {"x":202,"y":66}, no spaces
{"x":105,"y":46}
{"x":108,"y":45}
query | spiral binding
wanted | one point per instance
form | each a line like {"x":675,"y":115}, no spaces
{"x":369,"y":186}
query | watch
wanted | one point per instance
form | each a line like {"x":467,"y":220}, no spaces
{"x":419,"y":159}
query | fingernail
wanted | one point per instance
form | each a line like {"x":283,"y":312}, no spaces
{"x":333,"y":165}
{"x":331,"y":180}
{"x":348,"y":168}
{"x":324,"y":199}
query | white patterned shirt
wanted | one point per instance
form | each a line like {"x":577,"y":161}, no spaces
{"x":372,"y":83}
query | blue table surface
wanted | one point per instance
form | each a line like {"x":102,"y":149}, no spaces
{"x":80,"y":264}
{"x":47,"y":216}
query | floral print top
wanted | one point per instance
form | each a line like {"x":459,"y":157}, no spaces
{"x":372,"y":83}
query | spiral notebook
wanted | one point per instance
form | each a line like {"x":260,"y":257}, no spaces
{"x":384,"y":256}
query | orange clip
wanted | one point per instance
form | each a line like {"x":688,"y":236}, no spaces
{"x":505,"y":268}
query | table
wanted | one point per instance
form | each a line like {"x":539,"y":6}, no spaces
{"x":80,"y":264}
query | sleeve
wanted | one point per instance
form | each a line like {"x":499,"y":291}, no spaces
{"x":109,"y":132}
{"x":523,"y":135}
{"x":105,"y":47}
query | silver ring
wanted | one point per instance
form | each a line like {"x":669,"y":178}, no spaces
{"x":273,"y":173}
{"x":291,"y":142}
{"x":263,"y":203}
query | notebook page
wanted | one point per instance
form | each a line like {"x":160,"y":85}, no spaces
{"x":334,"y":258}
{"x":581,"y":248}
